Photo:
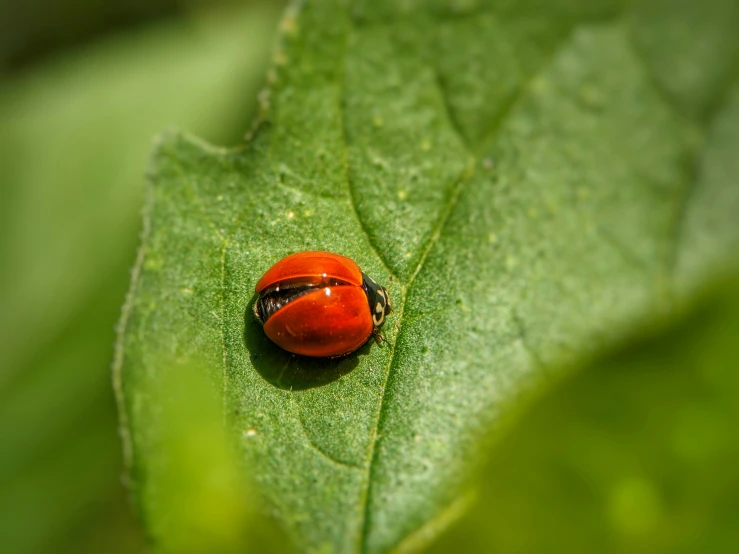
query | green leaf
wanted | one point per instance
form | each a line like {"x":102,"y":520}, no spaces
{"x":633,"y":452}
{"x":521,"y":177}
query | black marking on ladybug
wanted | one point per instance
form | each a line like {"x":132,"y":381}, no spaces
{"x":379,"y":301}
{"x":273,"y":298}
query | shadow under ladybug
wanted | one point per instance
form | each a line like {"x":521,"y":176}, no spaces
{"x":289,"y":371}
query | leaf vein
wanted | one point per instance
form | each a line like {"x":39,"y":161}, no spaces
{"x":372,"y":454}
{"x":525,"y":341}
{"x":692,"y":179}
{"x":626,"y":254}
{"x":353,"y":202}
{"x":426,"y":533}
{"x":510,"y":103}
{"x":313,"y":444}
{"x":454,"y":123}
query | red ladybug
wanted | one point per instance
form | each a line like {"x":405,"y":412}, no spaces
{"x":319,"y":304}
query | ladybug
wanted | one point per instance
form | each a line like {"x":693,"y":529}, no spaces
{"x":319,"y":304}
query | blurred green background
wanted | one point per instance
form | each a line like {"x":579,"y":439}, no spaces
{"x":85,"y":86}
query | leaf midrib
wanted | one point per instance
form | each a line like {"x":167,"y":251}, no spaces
{"x":473,"y":158}
{"x":475,"y":152}
{"x":364,"y":504}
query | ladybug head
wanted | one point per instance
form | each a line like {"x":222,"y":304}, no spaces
{"x":379,"y":300}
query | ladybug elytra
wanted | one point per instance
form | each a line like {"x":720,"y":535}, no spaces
{"x":319,"y":304}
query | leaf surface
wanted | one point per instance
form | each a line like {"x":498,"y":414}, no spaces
{"x":523,"y":180}
{"x":632,"y":452}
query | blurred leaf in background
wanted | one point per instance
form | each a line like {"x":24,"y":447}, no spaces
{"x":636,"y":451}
{"x":75,"y":132}
{"x":203,"y":502}
{"x":33,"y":28}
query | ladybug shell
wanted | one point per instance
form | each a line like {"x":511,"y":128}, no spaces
{"x":312,"y":266}
{"x":329,"y":317}
{"x":328,"y":322}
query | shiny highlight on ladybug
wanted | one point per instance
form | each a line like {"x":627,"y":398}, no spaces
{"x":319,"y":304}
